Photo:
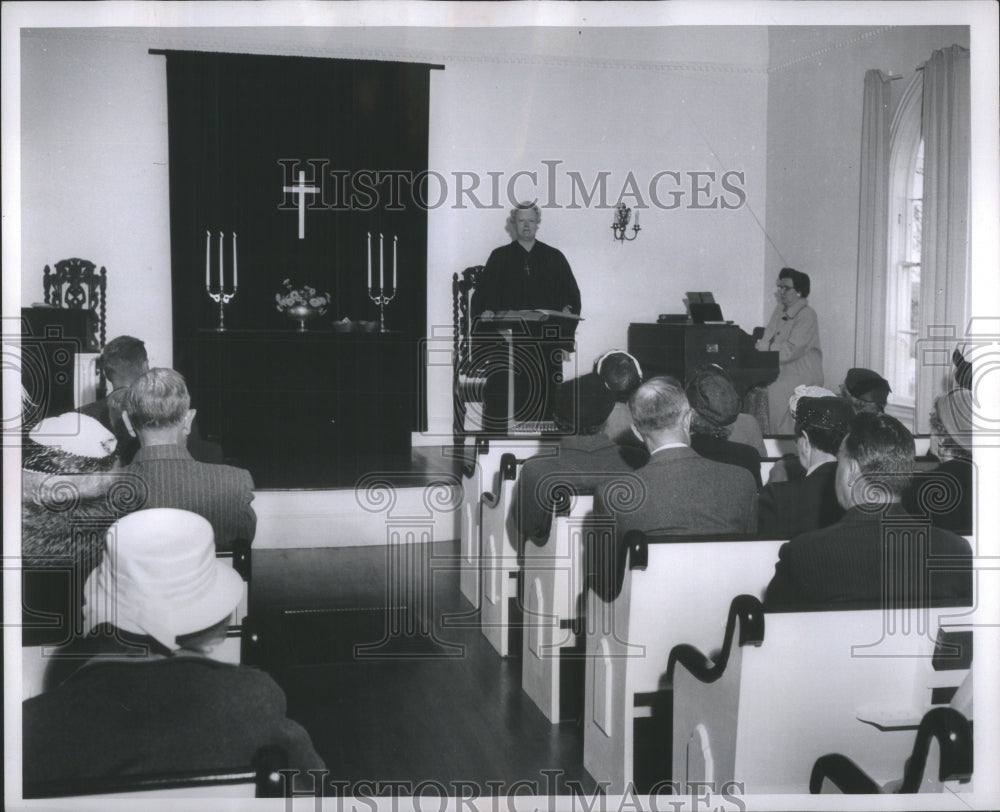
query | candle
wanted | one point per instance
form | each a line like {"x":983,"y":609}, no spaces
{"x":381,"y":265}
{"x":208,"y":259}
{"x":222,"y":260}
{"x":234,"y":262}
{"x":369,"y":260}
{"x":395,"y":240}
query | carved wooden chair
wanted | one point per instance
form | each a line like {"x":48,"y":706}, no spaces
{"x":78,"y":284}
{"x":467,"y":380}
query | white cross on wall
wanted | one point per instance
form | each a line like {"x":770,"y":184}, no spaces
{"x":300,"y":189}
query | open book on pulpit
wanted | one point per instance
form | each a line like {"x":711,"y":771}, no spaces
{"x":538,"y":314}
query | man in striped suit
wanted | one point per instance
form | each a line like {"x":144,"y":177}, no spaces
{"x":164,"y":474}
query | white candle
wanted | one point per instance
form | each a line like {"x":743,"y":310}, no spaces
{"x":222,"y":260}
{"x":395,"y":240}
{"x":369,"y":260}
{"x":208,"y":259}
{"x":381,"y":265}
{"x":234,"y":262}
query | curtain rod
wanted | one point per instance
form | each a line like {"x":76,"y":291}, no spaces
{"x":165,"y":51}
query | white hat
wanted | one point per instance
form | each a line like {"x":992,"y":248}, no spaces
{"x":160,"y":577}
{"x":76,"y":434}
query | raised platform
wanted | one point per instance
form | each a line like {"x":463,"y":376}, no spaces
{"x":417,"y":505}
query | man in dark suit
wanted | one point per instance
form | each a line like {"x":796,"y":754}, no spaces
{"x":163,"y":472}
{"x":581,"y":461}
{"x":789,"y":508}
{"x":716,"y":406}
{"x":676,"y":491}
{"x":876,"y":555}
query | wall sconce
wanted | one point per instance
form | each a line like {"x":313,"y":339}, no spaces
{"x":620,"y":226}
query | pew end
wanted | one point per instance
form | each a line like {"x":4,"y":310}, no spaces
{"x":851,"y":680}
{"x":659,"y":592}
{"x":553,"y":602}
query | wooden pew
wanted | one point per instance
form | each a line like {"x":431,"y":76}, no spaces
{"x":941,"y":759}
{"x":259,"y":779}
{"x":798,"y":685}
{"x":500,"y":567}
{"x":553,"y":607}
{"x":478,"y":477}
{"x":645,"y":595}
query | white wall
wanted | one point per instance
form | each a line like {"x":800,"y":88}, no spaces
{"x":95,"y":185}
{"x":94,"y":160}
{"x":594,"y":120}
{"x":94,"y":176}
{"x":813,"y":161}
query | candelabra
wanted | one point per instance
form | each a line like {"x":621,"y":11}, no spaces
{"x":220,"y":297}
{"x":381,"y":299}
{"x":622,"y":215}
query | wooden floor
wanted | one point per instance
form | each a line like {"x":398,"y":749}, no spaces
{"x":425,"y":699}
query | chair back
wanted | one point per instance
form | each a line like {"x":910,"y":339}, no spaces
{"x":77,"y":284}
{"x":462,"y":287}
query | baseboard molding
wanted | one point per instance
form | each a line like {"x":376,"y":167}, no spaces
{"x":340,"y":518}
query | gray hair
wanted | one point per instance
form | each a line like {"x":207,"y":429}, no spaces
{"x":659,"y":403}
{"x":158,"y":399}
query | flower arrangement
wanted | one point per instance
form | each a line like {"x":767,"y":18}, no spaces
{"x":291,"y":296}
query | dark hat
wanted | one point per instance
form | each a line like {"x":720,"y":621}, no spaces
{"x":830,"y":413}
{"x":583,"y":402}
{"x":712,"y":395}
{"x":864,"y":384}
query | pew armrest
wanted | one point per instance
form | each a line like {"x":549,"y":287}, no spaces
{"x":746,"y":614}
{"x":508,"y":472}
{"x":953,"y":735}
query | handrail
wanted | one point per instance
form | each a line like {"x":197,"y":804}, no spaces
{"x":954,"y":735}
{"x":750,"y":614}
{"x":263,"y":770}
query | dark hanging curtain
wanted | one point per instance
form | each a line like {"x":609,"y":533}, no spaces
{"x":241,"y":127}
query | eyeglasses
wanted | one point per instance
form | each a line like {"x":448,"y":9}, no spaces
{"x":786,"y":287}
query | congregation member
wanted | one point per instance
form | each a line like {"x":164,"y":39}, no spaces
{"x":163,"y":472}
{"x":859,"y":561}
{"x":69,"y":471}
{"x":945,"y":492}
{"x":677,"y":491}
{"x":124,"y":361}
{"x":788,"y":508}
{"x":788,"y":467}
{"x":584,"y":457}
{"x":143,"y":694}
{"x":525,"y":274}
{"x":716,"y":407}
{"x":865,"y":390}
{"x":792,"y":332}
{"x":621,"y":375}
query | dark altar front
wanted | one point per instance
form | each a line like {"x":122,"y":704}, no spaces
{"x":313,"y":409}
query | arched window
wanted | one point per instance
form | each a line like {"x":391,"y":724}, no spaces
{"x":902,"y":288}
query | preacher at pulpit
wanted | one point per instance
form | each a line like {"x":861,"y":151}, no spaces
{"x":526,"y":274}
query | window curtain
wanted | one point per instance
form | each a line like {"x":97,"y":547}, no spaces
{"x":873,"y":231}
{"x":945,"y":225}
